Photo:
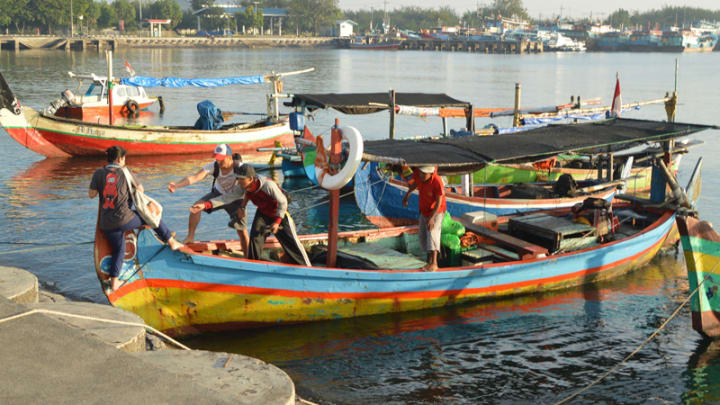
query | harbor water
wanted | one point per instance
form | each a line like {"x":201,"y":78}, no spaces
{"x":535,"y":349}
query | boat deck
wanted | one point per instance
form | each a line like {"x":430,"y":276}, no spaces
{"x":383,"y":257}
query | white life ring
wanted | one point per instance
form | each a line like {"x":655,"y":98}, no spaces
{"x":336,"y":181}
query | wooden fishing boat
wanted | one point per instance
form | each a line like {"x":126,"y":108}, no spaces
{"x":197,"y":290}
{"x":641,"y":173}
{"x":54,"y":136}
{"x":379,"y":196}
{"x":444,"y":107}
{"x":210,"y":286}
{"x":701,"y":248}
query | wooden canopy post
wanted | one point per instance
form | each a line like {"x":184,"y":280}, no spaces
{"x":334,"y":212}
{"x":392,"y":114}
{"x":108,"y":58}
{"x":516,"y":114}
{"x":470,"y":120}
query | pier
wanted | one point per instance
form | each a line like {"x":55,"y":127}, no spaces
{"x":20,"y":43}
{"x":102,"y":43}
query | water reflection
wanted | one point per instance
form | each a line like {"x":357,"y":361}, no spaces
{"x":703,"y":374}
{"x":542,"y":346}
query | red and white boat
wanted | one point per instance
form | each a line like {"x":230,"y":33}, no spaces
{"x":93,"y":103}
{"x":54,"y":136}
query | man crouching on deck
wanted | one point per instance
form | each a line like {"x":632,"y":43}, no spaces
{"x":271,"y":216}
{"x":432,"y":210}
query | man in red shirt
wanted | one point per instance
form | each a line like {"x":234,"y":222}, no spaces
{"x":432,"y":210}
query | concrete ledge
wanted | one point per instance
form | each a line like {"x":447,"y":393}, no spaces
{"x":128,"y":338}
{"x":18,"y":285}
{"x":241,"y":379}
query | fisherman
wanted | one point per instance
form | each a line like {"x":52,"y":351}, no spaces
{"x":116,"y":215}
{"x":271,"y":216}
{"x":432,"y":211}
{"x":224,"y":182}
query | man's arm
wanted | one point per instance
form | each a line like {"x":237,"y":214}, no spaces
{"x":92,"y":193}
{"x":411,"y":188}
{"x":221,"y":200}
{"x":192,"y":179}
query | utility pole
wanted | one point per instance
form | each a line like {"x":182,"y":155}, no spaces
{"x":72,"y":25}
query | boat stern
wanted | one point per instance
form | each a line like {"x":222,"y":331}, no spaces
{"x":17,"y":120}
{"x":701,"y":247}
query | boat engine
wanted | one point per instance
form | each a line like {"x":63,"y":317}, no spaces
{"x":65,"y":99}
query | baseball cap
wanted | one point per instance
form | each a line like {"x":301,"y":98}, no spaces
{"x":222,"y":151}
{"x":245,"y":171}
{"x":427,"y":169}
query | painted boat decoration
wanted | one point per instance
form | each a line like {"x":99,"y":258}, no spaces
{"x":93,"y":102}
{"x":380,"y":196}
{"x":53,"y":136}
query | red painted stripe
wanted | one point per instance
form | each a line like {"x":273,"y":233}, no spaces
{"x":81,"y":145}
{"x":162,"y":283}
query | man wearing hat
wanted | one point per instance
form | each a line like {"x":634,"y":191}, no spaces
{"x":271,"y":216}
{"x":432,"y":205}
{"x":223,"y":171}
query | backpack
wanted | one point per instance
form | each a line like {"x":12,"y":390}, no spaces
{"x":237,"y":161}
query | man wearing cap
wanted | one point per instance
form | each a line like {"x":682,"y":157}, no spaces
{"x":431,"y":192}
{"x":271,"y":216}
{"x":223,"y":171}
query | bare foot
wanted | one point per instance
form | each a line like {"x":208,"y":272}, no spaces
{"x":115,"y":283}
{"x":175,"y":245}
{"x":189,"y":239}
{"x":430,"y":267}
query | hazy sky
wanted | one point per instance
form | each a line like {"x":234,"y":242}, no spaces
{"x":570,"y":8}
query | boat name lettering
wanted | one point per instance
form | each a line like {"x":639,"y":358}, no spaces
{"x":89,"y":130}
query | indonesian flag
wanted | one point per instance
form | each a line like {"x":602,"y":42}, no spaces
{"x":617,"y":100}
{"x":129,"y":68}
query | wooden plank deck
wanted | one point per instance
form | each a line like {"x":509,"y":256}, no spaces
{"x":384,"y":257}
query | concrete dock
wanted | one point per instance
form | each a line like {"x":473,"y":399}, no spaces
{"x":49,"y":358}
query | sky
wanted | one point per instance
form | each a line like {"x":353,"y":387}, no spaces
{"x":538,"y":8}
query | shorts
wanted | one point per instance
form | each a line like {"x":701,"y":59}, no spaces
{"x":430,"y":238}
{"x":231,"y":209}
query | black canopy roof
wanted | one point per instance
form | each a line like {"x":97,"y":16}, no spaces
{"x":366,"y":103}
{"x":597,"y":137}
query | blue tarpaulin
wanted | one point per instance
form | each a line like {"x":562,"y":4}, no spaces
{"x":175,"y":82}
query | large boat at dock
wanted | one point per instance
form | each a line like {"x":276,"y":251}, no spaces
{"x":54,"y":136}
{"x":209,"y":286}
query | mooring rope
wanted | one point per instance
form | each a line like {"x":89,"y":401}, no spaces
{"x":92,"y":318}
{"x":652,"y":336}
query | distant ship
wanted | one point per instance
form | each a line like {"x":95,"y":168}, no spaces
{"x":373,"y":43}
{"x":687,"y":41}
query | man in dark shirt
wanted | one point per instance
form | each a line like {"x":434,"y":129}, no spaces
{"x":271,"y":216}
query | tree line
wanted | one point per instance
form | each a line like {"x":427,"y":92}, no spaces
{"x":304,"y":16}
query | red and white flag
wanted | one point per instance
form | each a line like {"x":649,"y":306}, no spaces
{"x":129,"y":68}
{"x":617,"y":100}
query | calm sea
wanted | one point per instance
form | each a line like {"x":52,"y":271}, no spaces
{"x":536,"y":349}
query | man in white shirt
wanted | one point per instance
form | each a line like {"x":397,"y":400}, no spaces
{"x":223,"y":172}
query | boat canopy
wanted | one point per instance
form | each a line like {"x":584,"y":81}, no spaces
{"x":367,"y":103}
{"x":470,"y":151}
{"x":176,"y":82}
